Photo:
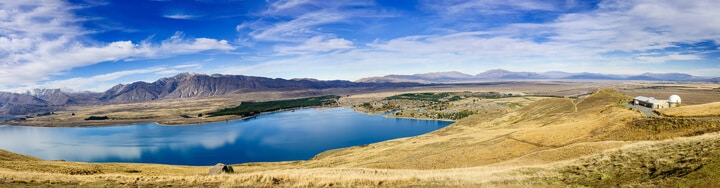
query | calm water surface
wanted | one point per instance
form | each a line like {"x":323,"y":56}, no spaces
{"x":277,"y":136}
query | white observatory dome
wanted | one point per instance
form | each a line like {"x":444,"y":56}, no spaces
{"x":674,"y":99}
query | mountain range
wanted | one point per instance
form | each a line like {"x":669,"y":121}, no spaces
{"x":185,"y":85}
{"x":189,"y":85}
{"x":500,"y":74}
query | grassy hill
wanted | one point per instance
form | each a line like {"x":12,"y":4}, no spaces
{"x":493,"y":138}
{"x":702,"y":110}
{"x":10,"y":156}
{"x":592,"y":141}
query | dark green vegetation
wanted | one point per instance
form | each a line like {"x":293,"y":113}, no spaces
{"x":97,"y":118}
{"x":665,"y":87}
{"x":253,"y":108}
{"x":455,"y":115}
{"x":448,"y":96}
{"x":435,"y":97}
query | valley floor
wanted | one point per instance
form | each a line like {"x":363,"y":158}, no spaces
{"x":553,"y":142}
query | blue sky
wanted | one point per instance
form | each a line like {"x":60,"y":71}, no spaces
{"x":94,"y":44}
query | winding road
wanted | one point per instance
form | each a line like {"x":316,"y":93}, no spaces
{"x":645,"y":110}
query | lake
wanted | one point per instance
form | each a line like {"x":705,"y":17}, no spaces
{"x":278,"y":136}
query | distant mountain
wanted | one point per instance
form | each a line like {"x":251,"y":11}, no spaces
{"x":715,"y":80}
{"x":42,"y":101}
{"x":500,"y":74}
{"x":452,"y":75}
{"x":505,"y":74}
{"x":666,"y":76}
{"x":199,"y":85}
{"x":52,"y":96}
{"x":420,"y":78}
{"x":186,"y":85}
{"x":592,"y":76}
{"x":558,"y":74}
{"x":19,"y":104}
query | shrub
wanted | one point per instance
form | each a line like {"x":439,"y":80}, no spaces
{"x":97,"y":118}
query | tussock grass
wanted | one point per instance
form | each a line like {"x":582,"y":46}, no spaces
{"x":10,"y":156}
{"x":702,"y":110}
{"x":683,"y":162}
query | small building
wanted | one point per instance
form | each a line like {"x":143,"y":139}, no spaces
{"x":674,"y":101}
{"x":650,"y":102}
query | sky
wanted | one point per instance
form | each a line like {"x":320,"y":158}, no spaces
{"x":92,"y":45}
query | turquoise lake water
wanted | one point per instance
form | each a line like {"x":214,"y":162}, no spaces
{"x":279,"y":136}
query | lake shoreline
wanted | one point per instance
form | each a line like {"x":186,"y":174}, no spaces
{"x":165,"y":121}
{"x":386,"y":115}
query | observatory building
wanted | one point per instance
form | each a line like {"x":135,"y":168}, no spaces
{"x":673,"y":101}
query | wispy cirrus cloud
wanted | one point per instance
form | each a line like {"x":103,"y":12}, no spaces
{"x":297,"y":29}
{"x":487,"y":7}
{"x":301,"y":25}
{"x":316,"y":44}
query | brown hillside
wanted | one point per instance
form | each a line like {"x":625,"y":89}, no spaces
{"x":701,"y":110}
{"x":557,"y":124}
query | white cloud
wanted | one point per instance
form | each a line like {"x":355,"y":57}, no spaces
{"x":298,"y":28}
{"x":192,"y":65}
{"x":98,"y":83}
{"x":53,"y":57}
{"x":666,"y":58}
{"x":40,"y":39}
{"x":102,"y":82}
{"x":179,"y":45}
{"x":180,"y":16}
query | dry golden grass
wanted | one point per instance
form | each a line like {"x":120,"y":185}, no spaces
{"x":679,"y":162}
{"x":487,"y":139}
{"x":10,"y":156}
{"x":702,"y":110}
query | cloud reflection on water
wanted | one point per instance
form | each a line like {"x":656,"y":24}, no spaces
{"x":276,"y":136}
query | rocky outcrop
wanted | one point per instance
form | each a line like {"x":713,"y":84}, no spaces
{"x":221,"y":169}
{"x":53,"y":96}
